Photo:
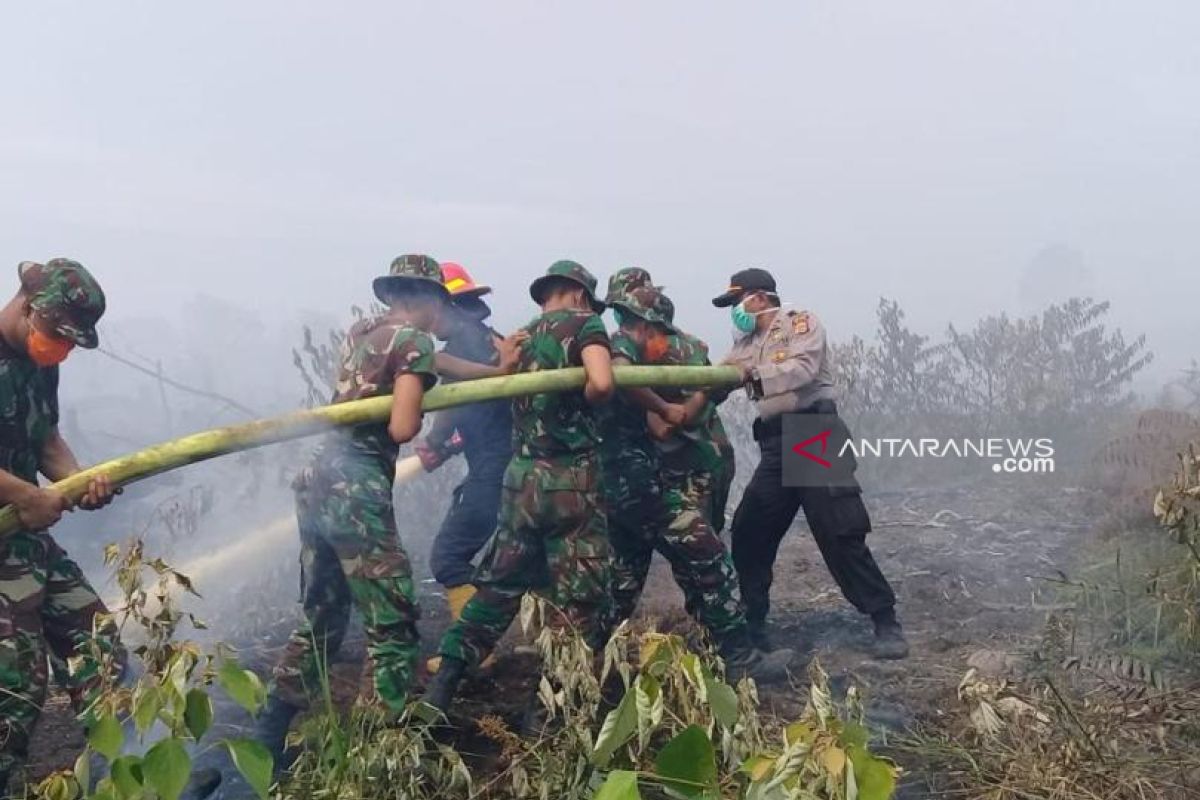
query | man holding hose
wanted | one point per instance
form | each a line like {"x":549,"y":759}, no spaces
{"x":47,"y":606}
{"x":482,"y":432}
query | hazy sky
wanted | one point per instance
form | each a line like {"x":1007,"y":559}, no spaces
{"x":279,"y":154}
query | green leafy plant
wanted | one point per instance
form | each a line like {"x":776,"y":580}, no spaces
{"x":167,"y":711}
{"x":645,"y":718}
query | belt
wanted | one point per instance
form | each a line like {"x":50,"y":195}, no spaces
{"x":773,"y":428}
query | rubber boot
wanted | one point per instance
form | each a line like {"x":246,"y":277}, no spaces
{"x":757,"y":631}
{"x":890,"y":644}
{"x":443,"y":687}
{"x":536,"y":722}
{"x":744,"y":660}
{"x":271,"y":730}
{"x":457,"y":598}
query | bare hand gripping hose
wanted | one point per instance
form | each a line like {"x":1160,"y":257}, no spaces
{"x":202,"y":446}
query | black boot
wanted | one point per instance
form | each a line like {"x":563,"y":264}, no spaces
{"x":203,"y":783}
{"x":890,"y":643}
{"x":772,"y":667}
{"x":271,"y":729}
{"x":442,"y":688}
{"x":757,"y":631}
{"x":744,"y":660}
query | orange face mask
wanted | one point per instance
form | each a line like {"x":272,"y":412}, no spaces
{"x":656,"y":347}
{"x":46,"y":350}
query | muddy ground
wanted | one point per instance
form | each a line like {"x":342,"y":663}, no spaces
{"x":968,"y":565}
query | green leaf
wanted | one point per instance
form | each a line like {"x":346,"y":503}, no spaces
{"x":650,"y":706}
{"x":688,"y":763}
{"x":148,"y":703}
{"x":166,"y":768}
{"x":254,"y":761}
{"x":242,"y":685}
{"x":59,"y":787}
{"x":83,"y":768}
{"x":693,"y":670}
{"x":855,"y":735}
{"x":198,"y":716}
{"x":126,"y":777}
{"x":759,"y":767}
{"x":619,"y":726}
{"x":106,"y":737}
{"x":722,"y":699}
{"x":620,"y":785}
{"x":799,"y":732}
{"x":876,"y":778}
{"x":658,"y":651}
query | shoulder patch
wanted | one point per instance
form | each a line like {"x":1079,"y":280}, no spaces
{"x":800,"y":323}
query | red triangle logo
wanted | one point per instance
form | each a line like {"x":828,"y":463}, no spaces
{"x":802,"y":448}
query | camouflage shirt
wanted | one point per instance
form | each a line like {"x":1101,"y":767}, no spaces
{"x":556,"y":424}
{"x":696,"y":449}
{"x":376,"y":352}
{"x":28,"y":414}
{"x":623,"y":431}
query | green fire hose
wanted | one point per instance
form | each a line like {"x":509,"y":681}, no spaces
{"x":202,"y":446}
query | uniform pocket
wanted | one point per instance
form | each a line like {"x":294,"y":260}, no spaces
{"x":848,"y":512}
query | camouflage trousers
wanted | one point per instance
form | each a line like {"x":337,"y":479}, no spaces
{"x":551,"y":537}
{"x":722,"y":484}
{"x":350,"y":554}
{"x":48,"y":610}
{"x":677,"y":526}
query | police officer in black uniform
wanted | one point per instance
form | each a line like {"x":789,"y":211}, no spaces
{"x":784,"y":357}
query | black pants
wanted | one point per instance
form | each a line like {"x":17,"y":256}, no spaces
{"x":469,"y":524}
{"x":839,"y":523}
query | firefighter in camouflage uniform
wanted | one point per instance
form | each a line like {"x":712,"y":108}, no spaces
{"x":47,"y":607}
{"x":724,"y":473}
{"x":350,"y":548}
{"x":670,"y":513}
{"x":551,"y":534}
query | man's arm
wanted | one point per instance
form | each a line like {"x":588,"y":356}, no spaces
{"x":407,"y":393}
{"x":597,"y":365}
{"x":58,"y":462}
{"x":649,"y":400}
{"x":660,"y":429}
{"x":794,"y":364}
{"x":695,"y":408}
{"x":508,"y":354}
{"x":441,"y":443}
{"x":37,"y":508}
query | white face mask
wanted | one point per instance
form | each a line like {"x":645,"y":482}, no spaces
{"x":745,"y":323}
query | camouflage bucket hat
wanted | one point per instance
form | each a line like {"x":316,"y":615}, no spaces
{"x":65,"y":295}
{"x":626,"y":280}
{"x":571,"y":271}
{"x":645,"y":303}
{"x":408,"y":271}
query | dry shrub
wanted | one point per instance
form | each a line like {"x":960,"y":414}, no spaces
{"x":1064,"y":734}
{"x":1104,"y":723}
{"x":1131,"y":467}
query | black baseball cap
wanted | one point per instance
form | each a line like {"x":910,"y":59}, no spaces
{"x":744,"y":282}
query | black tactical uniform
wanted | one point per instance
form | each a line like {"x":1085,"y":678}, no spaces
{"x":790,"y":374}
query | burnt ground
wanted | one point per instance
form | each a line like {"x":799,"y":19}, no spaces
{"x":968,"y":565}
